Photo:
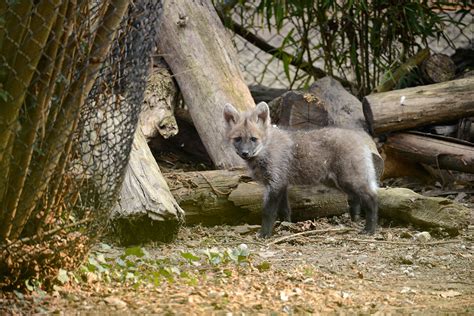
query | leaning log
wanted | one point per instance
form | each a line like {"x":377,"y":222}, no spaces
{"x":436,"y":151}
{"x":200,"y":53}
{"x":146,"y":210}
{"x":229,"y":196}
{"x":418,"y":106}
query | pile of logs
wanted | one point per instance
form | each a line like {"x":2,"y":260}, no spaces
{"x":208,"y":77}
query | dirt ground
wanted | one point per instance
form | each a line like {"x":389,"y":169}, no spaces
{"x":328,"y":268}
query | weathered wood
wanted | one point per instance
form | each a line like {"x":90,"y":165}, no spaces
{"x":344,"y":108}
{"x":229,"y":196}
{"x":161,"y":96}
{"x":434,"y":151}
{"x":438,"y":68}
{"x":145,"y":200}
{"x":418,"y":106}
{"x":198,"y":49}
{"x":406,"y":205}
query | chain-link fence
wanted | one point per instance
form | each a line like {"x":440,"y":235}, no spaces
{"x":72,"y":79}
{"x":261,"y":68}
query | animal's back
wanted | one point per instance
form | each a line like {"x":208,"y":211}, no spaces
{"x":324,"y":155}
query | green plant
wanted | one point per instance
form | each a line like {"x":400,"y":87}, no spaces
{"x":357,"y":40}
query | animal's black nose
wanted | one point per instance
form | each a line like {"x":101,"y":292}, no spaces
{"x":245,"y":154}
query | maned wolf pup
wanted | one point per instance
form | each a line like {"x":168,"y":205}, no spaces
{"x":332,"y":156}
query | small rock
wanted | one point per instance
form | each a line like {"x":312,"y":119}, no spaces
{"x":115,"y":301}
{"x":423,"y":236}
{"x":407,"y":290}
{"x":406,"y":235}
{"x":283,"y":296}
{"x":245,"y":229}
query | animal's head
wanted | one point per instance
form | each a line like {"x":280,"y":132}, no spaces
{"x":247,"y":131}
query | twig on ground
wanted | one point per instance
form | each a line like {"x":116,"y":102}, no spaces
{"x":310,"y":232}
{"x":391,"y":242}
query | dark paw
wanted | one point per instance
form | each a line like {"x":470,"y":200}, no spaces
{"x":264,"y":235}
{"x":367,"y":231}
{"x":355,"y":218}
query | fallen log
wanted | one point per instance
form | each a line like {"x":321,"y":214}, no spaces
{"x":229,"y":196}
{"x":433,"y":150}
{"x":418,"y":106}
{"x":200,"y":53}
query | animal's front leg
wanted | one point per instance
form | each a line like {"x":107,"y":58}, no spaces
{"x":284,"y":210}
{"x":271,"y":202}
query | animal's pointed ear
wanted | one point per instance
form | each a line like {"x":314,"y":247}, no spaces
{"x":231,"y":115}
{"x":263,"y":113}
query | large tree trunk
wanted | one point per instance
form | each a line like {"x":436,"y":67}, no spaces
{"x":418,"y":106}
{"x":225,"y":196}
{"x":433,"y":150}
{"x":199,"y":51}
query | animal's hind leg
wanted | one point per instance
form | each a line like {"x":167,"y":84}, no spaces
{"x":354,"y":207}
{"x":284,"y":210}
{"x":369,"y":203}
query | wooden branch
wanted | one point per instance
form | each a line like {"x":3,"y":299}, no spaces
{"x":418,"y":106}
{"x":434,"y":151}
{"x":228,"y":196}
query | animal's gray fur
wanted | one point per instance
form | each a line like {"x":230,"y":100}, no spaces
{"x":332,"y":156}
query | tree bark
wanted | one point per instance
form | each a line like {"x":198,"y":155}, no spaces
{"x":145,"y":198}
{"x":199,"y":51}
{"x":229,"y":196}
{"x":434,"y":151}
{"x":418,"y":106}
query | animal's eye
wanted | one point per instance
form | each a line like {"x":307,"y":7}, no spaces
{"x":253,"y":139}
{"x":237,"y":139}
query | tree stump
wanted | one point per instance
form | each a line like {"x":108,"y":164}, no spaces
{"x":438,"y":68}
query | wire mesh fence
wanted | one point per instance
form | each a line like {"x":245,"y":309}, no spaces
{"x":72,"y":79}
{"x":261,"y":68}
